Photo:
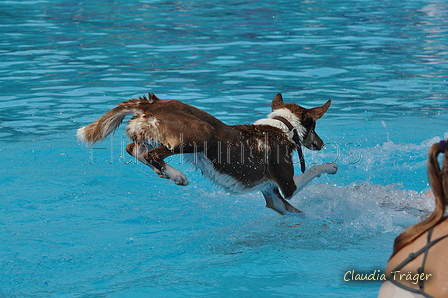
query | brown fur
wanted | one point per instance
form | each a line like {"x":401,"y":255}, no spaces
{"x":252,"y":155}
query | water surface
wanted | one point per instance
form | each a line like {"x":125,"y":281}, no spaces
{"x":83,"y":222}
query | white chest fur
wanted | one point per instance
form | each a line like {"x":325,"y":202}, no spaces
{"x":225,"y":181}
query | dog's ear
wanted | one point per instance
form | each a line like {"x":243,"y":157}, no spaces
{"x":277,"y":101}
{"x":152,"y":97}
{"x":316,"y":113}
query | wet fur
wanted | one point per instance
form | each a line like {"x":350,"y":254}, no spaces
{"x":239,"y":158}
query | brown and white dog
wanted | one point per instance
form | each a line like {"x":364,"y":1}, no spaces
{"x":239,"y":158}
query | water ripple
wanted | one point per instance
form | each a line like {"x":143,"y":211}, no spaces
{"x":82,"y":60}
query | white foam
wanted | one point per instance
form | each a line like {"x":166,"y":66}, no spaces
{"x":365,"y":208}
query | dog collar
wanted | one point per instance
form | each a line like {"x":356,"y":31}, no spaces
{"x":296,"y":140}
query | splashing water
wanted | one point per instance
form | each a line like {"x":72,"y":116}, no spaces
{"x":100,"y":221}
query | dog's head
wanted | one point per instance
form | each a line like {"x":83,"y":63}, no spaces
{"x":306,"y":121}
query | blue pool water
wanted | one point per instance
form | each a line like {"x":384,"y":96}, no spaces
{"x":83,"y":222}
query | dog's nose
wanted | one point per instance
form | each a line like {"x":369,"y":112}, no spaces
{"x":318,"y":145}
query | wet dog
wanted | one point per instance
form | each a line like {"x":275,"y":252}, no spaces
{"x":239,"y":158}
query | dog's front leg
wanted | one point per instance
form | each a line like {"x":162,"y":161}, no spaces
{"x":315,"y":171}
{"x":275,"y":201}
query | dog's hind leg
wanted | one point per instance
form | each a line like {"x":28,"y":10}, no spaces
{"x":138,"y":151}
{"x":275,"y":201}
{"x":154,"y":158}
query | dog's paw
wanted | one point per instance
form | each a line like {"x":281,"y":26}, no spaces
{"x":180,"y":180}
{"x":330,"y":168}
{"x":175,"y":175}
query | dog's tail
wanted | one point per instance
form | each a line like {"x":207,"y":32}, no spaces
{"x":110,"y":121}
